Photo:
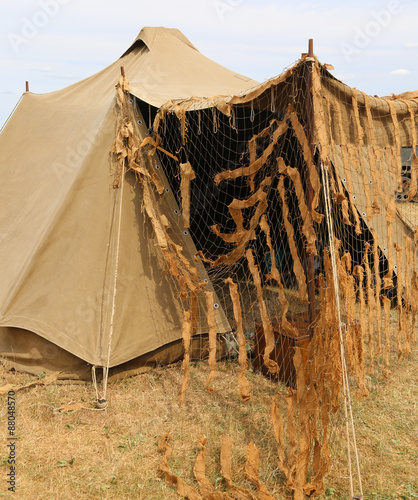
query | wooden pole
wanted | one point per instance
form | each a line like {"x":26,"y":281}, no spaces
{"x":122,"y":71}
{"x":27,"y":86}
{"x":310,"y":49}
{"x":310,"y":126}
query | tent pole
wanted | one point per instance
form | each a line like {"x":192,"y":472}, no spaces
{"x":27,"y":86}
{"x":310,"y":47}
{"x":310,"y":124}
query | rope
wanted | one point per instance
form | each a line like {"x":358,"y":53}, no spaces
{"x":233,"y":120}
{"x":215,"y":121}
{"x":273,"y":100}
{"x":348,"y":410}
{"x":11,"y":114}
{"x":102,"y":401}
{"x":93,"y":376}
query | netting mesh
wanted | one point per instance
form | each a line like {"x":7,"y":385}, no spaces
{"x":298,"y":196}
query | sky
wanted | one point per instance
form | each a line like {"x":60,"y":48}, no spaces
{"x":373,"y":45}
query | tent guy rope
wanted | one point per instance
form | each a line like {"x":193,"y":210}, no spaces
{"x":348,"y":411}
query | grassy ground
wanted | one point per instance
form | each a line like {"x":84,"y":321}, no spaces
{"x":387,"y":437}
{"x":114,"y":453}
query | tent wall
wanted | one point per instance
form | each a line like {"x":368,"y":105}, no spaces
{"x":80,"y":270}
{"x":26,"y":351}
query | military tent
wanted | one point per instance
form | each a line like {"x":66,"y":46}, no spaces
{"x":83,"y":281}
{"x":234,"y":183}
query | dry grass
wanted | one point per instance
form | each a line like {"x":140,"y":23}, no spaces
{"x":114,"y":454}
{"x":387,"y":437}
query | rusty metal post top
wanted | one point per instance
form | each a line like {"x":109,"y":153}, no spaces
{"x":310,"y":50}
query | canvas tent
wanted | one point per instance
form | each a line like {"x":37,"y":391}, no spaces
{"x":87,"y":279}
{"x":82,"y":281}
{"x":269,"y":208}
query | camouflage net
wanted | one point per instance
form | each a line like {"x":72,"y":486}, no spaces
{"x":247,"y":173}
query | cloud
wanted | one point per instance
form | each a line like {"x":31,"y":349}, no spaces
{"x":411,"y":45}
{"x":400,"y":72}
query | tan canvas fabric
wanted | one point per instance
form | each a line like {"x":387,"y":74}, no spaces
{"x":384,"y":134}
{"x":28,"y":352}
{"x":170,"y":67}
{"x":378,"y":221}
{"x":370,"y":136}
{"x":58,"y":215}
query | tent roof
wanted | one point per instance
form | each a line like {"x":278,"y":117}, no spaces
{"x":161,"y":65}
{"x":169,"y":66}
{"x":151,"y":35}
{"x":262,"y":91}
